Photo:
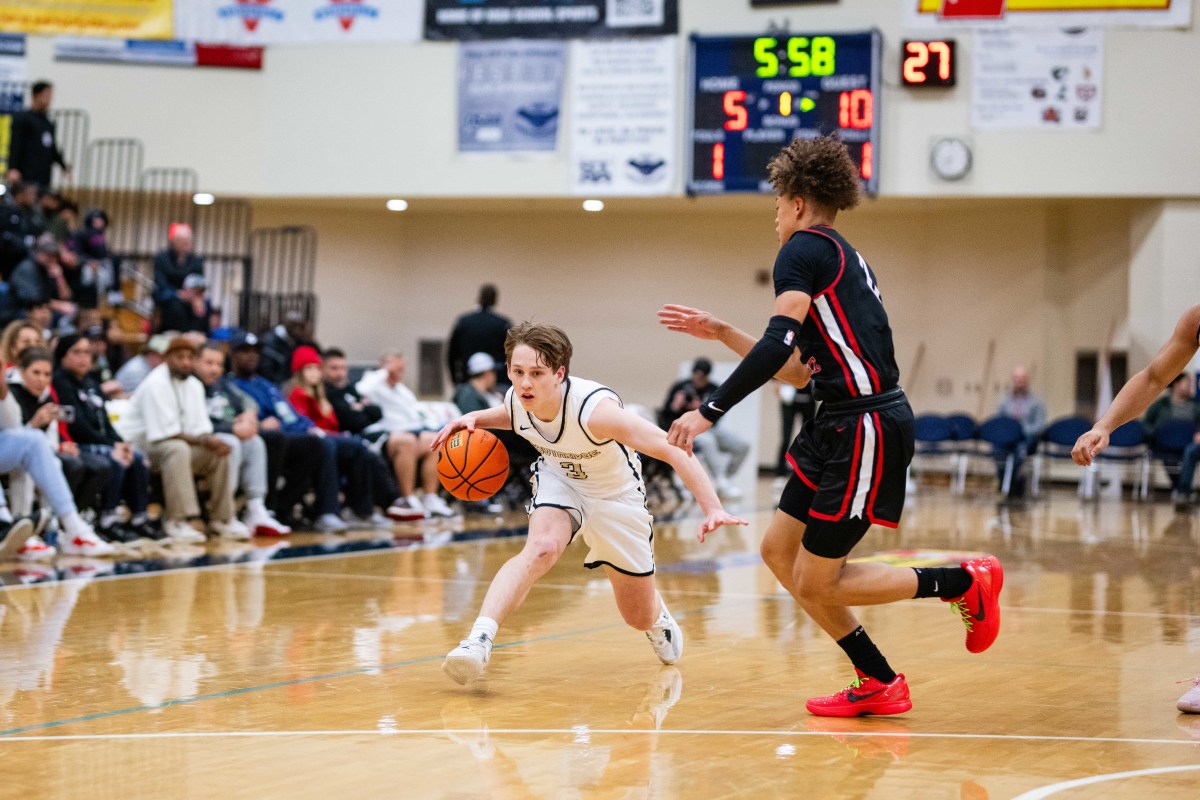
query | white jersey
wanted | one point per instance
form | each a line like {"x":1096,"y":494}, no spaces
{"x":595,"y":467}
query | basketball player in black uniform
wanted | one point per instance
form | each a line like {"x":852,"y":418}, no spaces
{"x":829,"y":326}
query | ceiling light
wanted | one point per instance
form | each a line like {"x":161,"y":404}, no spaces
{"x":203,"y":199}
{"x":396,"y":204}
{"x":593,"y":205}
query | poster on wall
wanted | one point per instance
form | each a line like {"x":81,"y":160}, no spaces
{"x":13,"y":78}
{"x":144,"y":19}
{"x":1037,"y":79}
{"x":297,"y":21}
{"x":510,"y":96}
{"x":623,"y":137}
{"x":1048,"y":13}
{"x":537,"y":19}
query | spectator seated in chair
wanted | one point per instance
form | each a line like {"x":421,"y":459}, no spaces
{"x":89,"y":427}
{"x":1179,"y":403}
{"x":308,"y":459}
{"x":1022,"y":405}
{"x":182,"y":446}
{"x":87,"y":473}
{"x":688,"y":395}
{"x":364,"y":474}
{"x":408,"y":436}
{"x":234,"y":419}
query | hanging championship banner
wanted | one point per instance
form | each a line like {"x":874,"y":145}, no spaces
{"x":143,"y":19}
{"x":1048,"y":13}
{"x":13,"y":78}
{"x":509,"y":96}
{"x":1037,"y":79}
{"x":537,"y":19}
{"x":261,"y":22}
{"x":623,"y":138}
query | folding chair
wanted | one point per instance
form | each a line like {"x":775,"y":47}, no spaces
{"x":1056,"y":443}
{"x":999,"y":433}
{"x":1126,"y":445}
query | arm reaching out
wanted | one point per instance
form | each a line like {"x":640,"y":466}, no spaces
{"x":703,"y":325}
{"x":1143,"y":388}
{"x":610,"y":421}
{"x":496,"y":418}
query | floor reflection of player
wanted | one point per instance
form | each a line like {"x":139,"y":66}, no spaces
{"x":617,"y":765}
{"x":1133,"y":399}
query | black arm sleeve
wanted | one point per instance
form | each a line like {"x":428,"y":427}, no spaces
{"x":760,"y":365}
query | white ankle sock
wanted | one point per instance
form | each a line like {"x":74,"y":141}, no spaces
{"x":484,"y":625}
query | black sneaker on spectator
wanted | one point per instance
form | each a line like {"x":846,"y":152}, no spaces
{"x":146,"y":531}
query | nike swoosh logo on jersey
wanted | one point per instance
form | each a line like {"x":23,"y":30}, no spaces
{"x":982,"y":614}
{"x":526,"y":428}
{"x":855,"y":698}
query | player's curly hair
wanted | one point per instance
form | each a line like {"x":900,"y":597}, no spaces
{"x":817,"y":169}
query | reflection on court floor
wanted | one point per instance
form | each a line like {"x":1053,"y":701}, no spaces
{"x":310,"y":669}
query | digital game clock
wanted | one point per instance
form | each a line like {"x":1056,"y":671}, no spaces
{"x":751,"y":95}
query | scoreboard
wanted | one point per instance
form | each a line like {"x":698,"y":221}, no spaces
{"x":751,"y":95}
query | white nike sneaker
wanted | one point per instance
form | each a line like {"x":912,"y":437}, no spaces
{"x":84,"y":543}
{"x":180,"y":532}
{"x":465,"y":663}
{"x":437,"y":507}
{"x":232,"y":529}
{"x":666,"y":638}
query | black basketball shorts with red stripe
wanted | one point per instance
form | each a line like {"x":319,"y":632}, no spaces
{"x":850,"y":467}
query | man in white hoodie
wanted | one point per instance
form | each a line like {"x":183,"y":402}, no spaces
{"x":408,"y":434}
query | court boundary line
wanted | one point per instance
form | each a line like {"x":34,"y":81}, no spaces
{"x":584,"y":730}
{"x":1062,"y":786}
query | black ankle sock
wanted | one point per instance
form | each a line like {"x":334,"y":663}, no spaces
{"x":866,"y":656}
{"x":942,"y":581}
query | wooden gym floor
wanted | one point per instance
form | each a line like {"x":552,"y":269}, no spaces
{"x":249,"y":673}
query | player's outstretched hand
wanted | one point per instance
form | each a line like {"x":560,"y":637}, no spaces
{"x":457,"y":424}
{"x":716,"y":519}
{"x":685,"y":430}
{"x":692,"y":321}
{"x":1088,"y":447}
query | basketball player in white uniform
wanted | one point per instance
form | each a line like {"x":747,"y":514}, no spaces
{"x":1133,"y":399}
{"x":587,"y":483}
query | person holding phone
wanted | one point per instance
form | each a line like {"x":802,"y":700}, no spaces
{"x":86,"y":473}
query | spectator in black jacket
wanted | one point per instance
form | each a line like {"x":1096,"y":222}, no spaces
{"x":33,"y":150}
{"x":171,"y":268}
{"x":280,"y":342}
{"x":353,"y":411}
{"x":91,"y":273}
{"x":88,"y":424}
{"x":39,"y":279}
{"x":481,"y":331}
{"x":20,"y":226}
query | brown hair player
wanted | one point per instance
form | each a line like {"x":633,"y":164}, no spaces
{"x":1133,"y":399}
{"x":850,"y":463}
{"x":587,"y":481}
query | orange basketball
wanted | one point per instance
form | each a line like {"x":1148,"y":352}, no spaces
{"x":473,"y":465}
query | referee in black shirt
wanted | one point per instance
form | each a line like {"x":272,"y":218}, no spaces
{"x":33,"y":150}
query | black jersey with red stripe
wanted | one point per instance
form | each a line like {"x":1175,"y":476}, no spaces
{"x":846,"y":338}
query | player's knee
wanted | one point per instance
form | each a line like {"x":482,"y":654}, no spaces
{"x":543,"y":552}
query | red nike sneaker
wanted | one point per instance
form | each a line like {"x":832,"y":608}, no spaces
{"x":980,"y":606}
{"x":865,"y":695}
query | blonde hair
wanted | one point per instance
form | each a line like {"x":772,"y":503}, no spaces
{"x":9,"y":338}
{"x":317,"y":390}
